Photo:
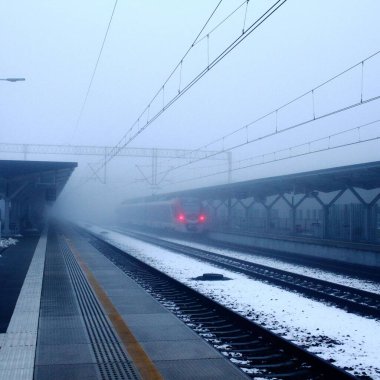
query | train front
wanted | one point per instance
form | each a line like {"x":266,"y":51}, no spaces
{"x":190,"y":215}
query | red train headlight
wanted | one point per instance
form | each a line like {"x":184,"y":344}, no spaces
{"x":202,"y":218}
{"x":181,"y":218}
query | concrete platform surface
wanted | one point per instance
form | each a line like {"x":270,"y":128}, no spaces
{"x":78,"y":316}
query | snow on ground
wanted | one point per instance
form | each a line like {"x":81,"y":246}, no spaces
{"x":5,"y":243}
{"x":352,"y":341}
{"x":366,"y":285}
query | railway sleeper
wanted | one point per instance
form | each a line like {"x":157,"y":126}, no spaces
{"x":212,"y":317}
{"x":188,"y":303}
{"x":194,"y":306}
{"x":199,"y":315}
{"x":223,"y":332}
{"x":219,"y":327}
{"x":217,"y":323}
{"x":300,"y":374}
{"x":282,"y":365}
{"x":264,"y":358}
{"x":234,"y":337}
{"x":196,"y":311}
{"x":261,"y":349}
{"x":179,"y":297}
{"x":245,"y":344}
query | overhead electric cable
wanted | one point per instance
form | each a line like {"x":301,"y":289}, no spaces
{"x":221,"y":23}
{"x":290,"y":150}
{"x":275,"y":154}
{"x":277,"y":131}
{"x":272,"y":134}
{"x":125,"y":140}
{"x":94,"y":72}
{"x":179,"y":65}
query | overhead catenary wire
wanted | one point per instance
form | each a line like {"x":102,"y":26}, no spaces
{"x":312,"y":92}
{"x":305,"y":144}
{"x":272,"y":134}
{"x":221,"y":22}
{"x":94,"y":72}
{"x":178,"y":66}
{"x":276,"y":158}
{"x":125,"y":140}
{"x":221,"y":140}
{"x":276,"y":155}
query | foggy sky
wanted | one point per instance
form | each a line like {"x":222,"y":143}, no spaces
{"x":55,"y":44}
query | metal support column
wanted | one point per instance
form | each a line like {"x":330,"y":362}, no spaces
{"x":325,"y":233}
{"x":229,"y":213}
{"x":154,"y":170}
{"x":293,"y":211}
{"x":7,"y":207}
{"x":366,"y":220}
{"x":369,"y":225}
{"x":268,"y":210}
{"x":372,"y":217}
{"x":105,"y":166}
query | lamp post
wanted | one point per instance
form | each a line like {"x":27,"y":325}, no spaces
{"x":13,"y":79}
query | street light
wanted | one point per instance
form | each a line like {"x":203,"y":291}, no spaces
{"x":13,"y":79}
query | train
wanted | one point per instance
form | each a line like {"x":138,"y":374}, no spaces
{"x":185,"y":215}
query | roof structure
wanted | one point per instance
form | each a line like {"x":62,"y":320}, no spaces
{"x":365,"y":176}
{"x":26,"y":187}
{"x":35,"y":173}
{"x":11,"y":169}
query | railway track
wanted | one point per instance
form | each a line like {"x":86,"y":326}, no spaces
{"x":350,"y":299}
{"x":254,"y":349}
{"x":352,"y":270}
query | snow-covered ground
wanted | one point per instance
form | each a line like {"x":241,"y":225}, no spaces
{"x":369,"y":286}
{"x":352,"y":341}
{"x":321,"y":274}
{"x":5,"y":243}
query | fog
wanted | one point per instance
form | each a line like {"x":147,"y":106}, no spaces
{"x":55,"y":46}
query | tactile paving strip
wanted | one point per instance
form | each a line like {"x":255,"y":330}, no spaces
{"x":112,"y":361}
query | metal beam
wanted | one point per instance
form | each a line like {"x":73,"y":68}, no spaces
{"x":88,"y":150}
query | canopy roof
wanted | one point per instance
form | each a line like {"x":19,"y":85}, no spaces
{"x":364,"y":176}
{"x":17,"y":178}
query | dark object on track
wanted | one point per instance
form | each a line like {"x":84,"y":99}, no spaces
{"x":211,"y":277}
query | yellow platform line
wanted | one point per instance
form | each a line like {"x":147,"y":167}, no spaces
{"x":145,"y":366}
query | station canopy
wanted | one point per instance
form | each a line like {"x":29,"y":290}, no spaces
{"x":26,"y":187}
{"x":364,"y":176}
{"x":17,"y":178}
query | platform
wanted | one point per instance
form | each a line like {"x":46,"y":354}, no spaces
{"x":78,"y":316}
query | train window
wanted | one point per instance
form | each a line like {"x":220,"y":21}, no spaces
{"x":190,"y":205}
